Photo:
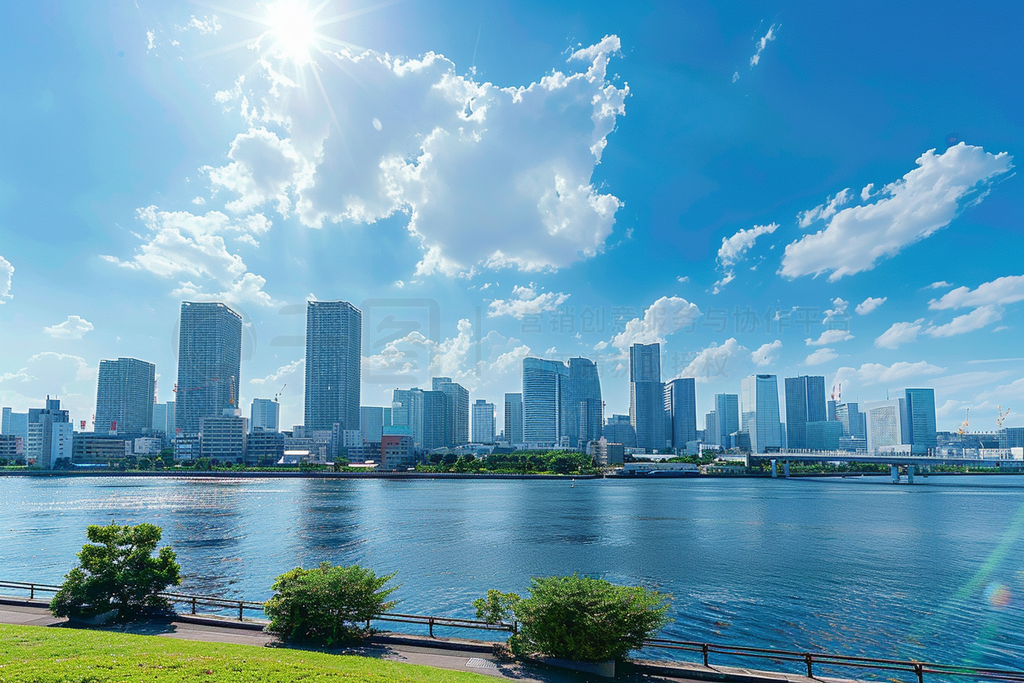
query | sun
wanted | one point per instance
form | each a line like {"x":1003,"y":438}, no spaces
{"x":292,"y":27}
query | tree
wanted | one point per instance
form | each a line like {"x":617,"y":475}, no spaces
{"x":118,"y":572}
{"x":591,"y":620}
{"x":327,"y":605}
{"x":496,"y":607}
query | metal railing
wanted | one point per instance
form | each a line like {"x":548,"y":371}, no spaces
{"x":192,"y":602}
{"x":809,"y":660}
{"x":821,"y":659}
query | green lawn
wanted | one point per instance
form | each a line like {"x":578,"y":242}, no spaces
{"x":30,"y":654}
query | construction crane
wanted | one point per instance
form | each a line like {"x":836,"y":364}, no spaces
{"x":277,"y":396}
{"x":965,"y":424}
{"x":1002,"y":416}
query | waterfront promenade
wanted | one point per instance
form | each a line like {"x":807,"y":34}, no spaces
{"x":452,"y":654}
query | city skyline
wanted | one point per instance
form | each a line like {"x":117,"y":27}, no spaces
{"x":731,"y":241}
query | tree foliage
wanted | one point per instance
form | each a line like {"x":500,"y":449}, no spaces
{"x":117,"y":570}
{"x":496,"y":607}
{"x":585,"y":619}
{"x":327,"y":605}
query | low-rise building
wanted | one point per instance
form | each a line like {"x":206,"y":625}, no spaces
{"x":91,"y":448}
{"x":396,"y":452}
{"x":223,"y":438}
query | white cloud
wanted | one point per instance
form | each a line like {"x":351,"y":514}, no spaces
{"x":762,"y":43}
{"x":282,"y":372}
{"x":899,"y":333}
{"x":476,"y":364}
{"x":712,"y":362}
{"x":870,"y":304}
{"x":875,"y":373}
{"x":664,"y":317}
{"x":975,"y":320}
{"x":941,"y":284}
{"x":6,"y":278}
{"x":836,"y":324}
{"x":734,"y":249}
{"x":821,"y":356}
{"x":1004,"y":290}
{"x":263,"y":168}
{"x":823,"y":212}
{"x":766,"y":354}
{"x":488,"y":176}
{"x":866,"y":193}
{"x":206,"y":25}
{"x":683,"y":278}
{"x":150,"y":41}
{"x":74,"y":327}
{"x":830,"y":337}
{"x":185,"y":245}
{"x":55,"y":374}
{"x":526,"y":301}
{"x":925,"y":200}
{"x":735,"y":76}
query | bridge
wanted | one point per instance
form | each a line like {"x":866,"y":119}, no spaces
{"x":894,"y":460}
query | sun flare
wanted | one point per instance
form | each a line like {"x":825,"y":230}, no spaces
{"x":293,"y":29}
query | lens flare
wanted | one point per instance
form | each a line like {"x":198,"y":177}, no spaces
{"x":997,"y":595}
{"x":293,"y":29}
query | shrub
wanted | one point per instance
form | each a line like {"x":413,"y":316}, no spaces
{"x":590,"y":620}
{"x":327,"y":605}
{"x":117,"y":571}
{"x":496,"y":607}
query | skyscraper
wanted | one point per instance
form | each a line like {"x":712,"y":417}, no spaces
{"x":681,"y":409}
{"x":333,"y":353}
{"x":805,"y":402}
{"x":885,"y":424}
{"x":407,"y":410}
{"x":545,"y":382}
{"x":438,"y":420}
{"x":163,"y":418}
{"x":852,"y":420}
{"x":712,"y":434}
{"x":514,"y":418}
{"x":647,"y":396}
{"x":427,"y":414}
{"x":124,"y":396}
{"x":265,"y":415}
{"x":483,"y":421}
{"x":372,"y":421}
{"x":619,"y":429}
{"x":458,"y":397}
{"x":583,"y":416}
{"x":921,"y":419}
{"x":209,"y":364}
{"x":727,"y":413}
{"x":760,"y":416}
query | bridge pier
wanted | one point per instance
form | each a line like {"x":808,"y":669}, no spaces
{"x":785,"y":469}
{"x":775,"y":471}
{"x":894,"y":470}
{"x":910,"y":474}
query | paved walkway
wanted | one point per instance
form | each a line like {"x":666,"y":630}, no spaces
{"x":412,"y":649}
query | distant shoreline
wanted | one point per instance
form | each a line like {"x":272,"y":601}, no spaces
{"x":217,"y":474}
{"x":189,"y":474}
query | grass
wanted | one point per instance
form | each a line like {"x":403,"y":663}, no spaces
{"x":32,"y":654}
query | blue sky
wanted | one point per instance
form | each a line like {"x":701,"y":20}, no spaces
{"x":794,"y":188}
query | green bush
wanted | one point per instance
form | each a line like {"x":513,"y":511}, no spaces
{"x":117,"y":571}
{"x":496,"y":607}
{"x":328,"y":605}
{"x":590,"y":620}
